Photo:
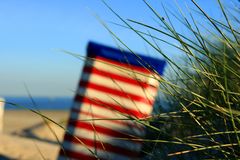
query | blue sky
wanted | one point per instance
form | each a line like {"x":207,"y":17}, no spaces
{"x":33,"y":33}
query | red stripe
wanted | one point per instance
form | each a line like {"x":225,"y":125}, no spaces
{"x":99,"y":129}
{"x":125,"y":79}
{"x":76,"y":155}
{"x":128,"y":66}
{"x":132,"y":125}
{"x":102,"y":146}
{"x":116,"y":92}
{"x":114,"y":107}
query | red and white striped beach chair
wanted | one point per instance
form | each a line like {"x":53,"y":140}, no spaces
{"x":115,"y":90}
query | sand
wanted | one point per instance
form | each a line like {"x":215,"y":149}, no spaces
{"x":26,"y":136}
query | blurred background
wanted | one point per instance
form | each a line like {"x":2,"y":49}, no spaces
{"x":34,"y":33}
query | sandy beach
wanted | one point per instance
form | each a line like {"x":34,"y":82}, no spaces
{"x":27,"y":136}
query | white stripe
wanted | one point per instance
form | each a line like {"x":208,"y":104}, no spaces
{"x":108,"y":67}
{"x":107,"y":111}
{"x":113,"y":99}
{"x":109,"y":124}
{"x":84,"y":133}
{"x":147,"y":93}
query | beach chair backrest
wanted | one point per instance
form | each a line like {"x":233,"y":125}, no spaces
{"x":115,"y":91}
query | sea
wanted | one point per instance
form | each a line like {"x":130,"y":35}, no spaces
{"x":56,"y":103}
{"x":41,"y":103}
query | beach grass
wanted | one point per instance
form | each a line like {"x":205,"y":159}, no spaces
{"x":203,"y":90}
